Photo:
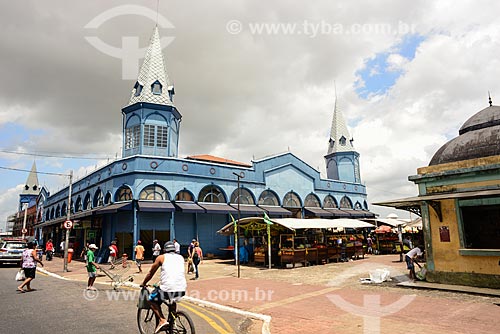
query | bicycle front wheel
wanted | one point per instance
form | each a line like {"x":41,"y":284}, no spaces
{"x":183,"y":324}
{"x":146,"y":321}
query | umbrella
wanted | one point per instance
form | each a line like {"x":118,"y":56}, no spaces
{"x":383,"y":229}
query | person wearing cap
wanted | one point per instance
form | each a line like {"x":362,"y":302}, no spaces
{"x":113,"y":254}
{"x":156,"y":249}
{"x":191,"y":247}
{"x":172,"y":282}
{"x":91,"y":267}
{"x":190,"y":267}
{"x":139,"y":255}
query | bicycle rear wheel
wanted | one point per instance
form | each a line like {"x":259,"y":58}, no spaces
{"x":183,"y":324}
{"x":146,"y":321}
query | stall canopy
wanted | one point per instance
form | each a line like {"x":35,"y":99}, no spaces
{"x":387,"y":221}
{"x":257,"y":223}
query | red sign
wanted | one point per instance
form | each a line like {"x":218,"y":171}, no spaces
{"x":24,"y":231}
{"x":68,"y":224}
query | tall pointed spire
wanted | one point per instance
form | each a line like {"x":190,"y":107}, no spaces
{"x":32,"y":187}
{"x":340,"y":140}
{"x":153,"y":84}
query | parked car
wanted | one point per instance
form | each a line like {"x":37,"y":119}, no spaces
{"x":11,"y":251}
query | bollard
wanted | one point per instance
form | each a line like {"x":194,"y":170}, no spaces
{"x":124,"y":260}
{"x":70,"y":254}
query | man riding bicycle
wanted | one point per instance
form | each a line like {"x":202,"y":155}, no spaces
{"x":172,"y":281}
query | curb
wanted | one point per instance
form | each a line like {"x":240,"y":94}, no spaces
{"x":266,"y":319}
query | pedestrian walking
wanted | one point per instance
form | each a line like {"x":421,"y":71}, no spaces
{"x":369,"y":243}
{"x":139,"y":255}
{"x":92,"y":267}
{"x":197,"y":258}
{"x":84,"y":252}
{"x":191,"y":247}
{"x":190,"y":266}
{"x":113,"y":253}
{"x":49,"y":250}
{"x":61,"y":247}
{"x":156,"y":249}
{"x":177,"y":246}
{"x":29,"y":260}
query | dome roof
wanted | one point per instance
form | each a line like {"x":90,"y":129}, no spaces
{"x":478,"y":137}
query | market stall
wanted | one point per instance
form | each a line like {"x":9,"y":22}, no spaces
{"x":301,"y":241}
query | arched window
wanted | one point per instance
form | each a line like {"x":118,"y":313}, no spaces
{"x":123,"y":194}
{"x":291,"y":200}
{"x":58,"y":211}
{"x":329,"y":202}
{"x":98,"y":198}
{"x":345,"y":203}
{"x":245,"y":197}
{"x":184,"y":195}
{"x":365,"y":205}
{"x":268,"y":198}
{"x":52,"y":214}
{"x":154,"y":192}
{"x":107,"y":199}
{"x":211,"y":194}
{"x":63,"y":209}
{"x":78,"y":204}
{"x":87,"y":203}
{"x":312,"y":201}
{"x":47,"y":215}
{"x":357,"y":206}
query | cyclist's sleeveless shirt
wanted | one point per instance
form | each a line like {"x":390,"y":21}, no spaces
{"x":172,"y":273}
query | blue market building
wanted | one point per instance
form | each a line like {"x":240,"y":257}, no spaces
{"x":152,"y":193}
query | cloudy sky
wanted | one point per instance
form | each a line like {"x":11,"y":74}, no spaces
{"x":252,"y":79}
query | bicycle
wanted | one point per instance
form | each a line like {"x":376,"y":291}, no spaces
{"x":179,"y":322}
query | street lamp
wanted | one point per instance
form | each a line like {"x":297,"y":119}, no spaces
{"x":68,"y":214}
{"x":237,"y":253}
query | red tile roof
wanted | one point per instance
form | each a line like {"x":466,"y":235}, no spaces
{"x":211,"y":158}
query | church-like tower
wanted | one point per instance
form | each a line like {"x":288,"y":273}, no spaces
{"x":151,"y":122}
{"x":31,"y":189}
{"x":342,"y":161}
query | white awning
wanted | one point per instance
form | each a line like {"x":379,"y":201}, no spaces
{"x":298,"y":223}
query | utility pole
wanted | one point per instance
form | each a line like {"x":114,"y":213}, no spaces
{"x":236,"y":246}
{"x":25,"y":205}
{"x":68,"y":216}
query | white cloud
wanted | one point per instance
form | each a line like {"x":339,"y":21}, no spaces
{"x":396,"y":62}
{"x":9,"y":203}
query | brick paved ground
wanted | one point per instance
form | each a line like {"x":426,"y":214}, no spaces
{"x":325,"y":298}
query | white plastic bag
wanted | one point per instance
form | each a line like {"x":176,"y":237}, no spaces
{"x":380,"y":275}
{"x":20,"y":275}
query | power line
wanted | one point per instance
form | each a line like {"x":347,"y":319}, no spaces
{"x":46,"y":155}
{"x":29,"y":171}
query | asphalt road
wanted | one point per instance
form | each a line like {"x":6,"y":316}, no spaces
{"x":60,"y":306}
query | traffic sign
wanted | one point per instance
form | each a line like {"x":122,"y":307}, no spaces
{"x":68,"y":224}
{"x":24,"y":231}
